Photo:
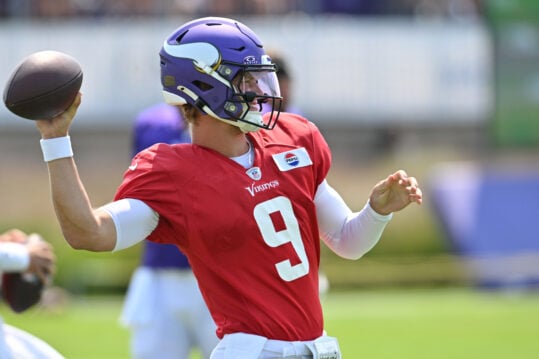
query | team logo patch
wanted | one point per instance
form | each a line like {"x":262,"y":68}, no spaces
{"x":292,"y":159}
{"x":254,"y":173}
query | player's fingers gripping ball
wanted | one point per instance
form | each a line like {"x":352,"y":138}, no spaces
{"x":43,"y":85}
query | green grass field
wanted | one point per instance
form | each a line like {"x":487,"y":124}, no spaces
{"x":373,"y":324}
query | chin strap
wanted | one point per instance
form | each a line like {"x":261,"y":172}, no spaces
{"x":254,"y":117}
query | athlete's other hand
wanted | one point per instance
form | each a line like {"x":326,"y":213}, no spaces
{"x":395,"y":193}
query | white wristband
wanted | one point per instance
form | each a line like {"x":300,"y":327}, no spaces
{"x":14,"y":257}
{"x":56,"y":148}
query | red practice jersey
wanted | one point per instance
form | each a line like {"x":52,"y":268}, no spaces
{"x":251,"y":236}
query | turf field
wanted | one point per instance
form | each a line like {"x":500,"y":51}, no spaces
{"x":374,"y":324}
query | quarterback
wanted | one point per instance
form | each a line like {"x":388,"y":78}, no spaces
{"x":247,"y":201}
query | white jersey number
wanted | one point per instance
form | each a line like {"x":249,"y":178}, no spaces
{"x":290,"y":234}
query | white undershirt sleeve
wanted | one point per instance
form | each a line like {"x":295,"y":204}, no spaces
{"x":14,"y":257}
{"x":348,"y":234}
{"x":134,"y":221}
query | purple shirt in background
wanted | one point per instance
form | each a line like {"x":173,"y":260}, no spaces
{"x":160,"y":123}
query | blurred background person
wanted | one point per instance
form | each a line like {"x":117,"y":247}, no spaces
{"x":285,"y":84}
{"x":28,"y":255}
{"x":164,"y":308}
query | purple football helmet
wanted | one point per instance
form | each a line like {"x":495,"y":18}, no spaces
{"x":219,"y":66}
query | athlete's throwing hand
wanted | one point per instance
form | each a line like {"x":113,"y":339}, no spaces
{"x":59,"y":125}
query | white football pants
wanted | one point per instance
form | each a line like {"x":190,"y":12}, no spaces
{"x":167,"y":316}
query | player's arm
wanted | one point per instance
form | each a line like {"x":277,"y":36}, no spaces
{"x":82,"y":226}
{"x":348,"y":234}
{"x":351,"y":235}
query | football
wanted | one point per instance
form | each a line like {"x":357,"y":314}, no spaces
{"x":21,"y":290}
{"x":43,"y":85}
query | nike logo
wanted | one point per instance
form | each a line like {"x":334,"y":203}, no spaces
{"x":133,"y":167}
